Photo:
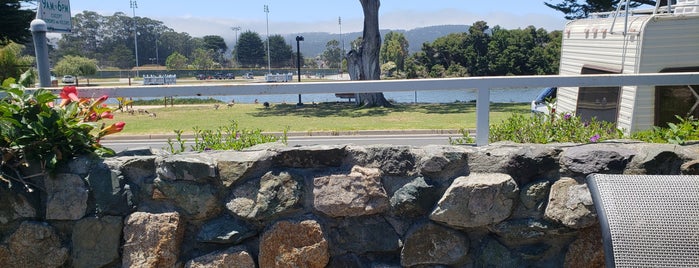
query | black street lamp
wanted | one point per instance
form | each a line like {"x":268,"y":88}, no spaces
{"x":298,"y":62}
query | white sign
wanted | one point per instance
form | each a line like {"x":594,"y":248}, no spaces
{"x":56,"y":14}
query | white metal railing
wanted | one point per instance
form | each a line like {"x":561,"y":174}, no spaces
{"x":482,"y":84}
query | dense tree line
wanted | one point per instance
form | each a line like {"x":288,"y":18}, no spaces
{"x":483,"y":51}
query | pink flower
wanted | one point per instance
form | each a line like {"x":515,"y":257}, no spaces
{"x":107,"y":114}
{"x":114,"y":128}
{"x":567,"y":116}
{"x":595,"y":138}
{"x":68,"y":94}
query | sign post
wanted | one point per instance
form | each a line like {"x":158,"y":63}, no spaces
{"x":52,"y":16}
{"x":56,"y":14}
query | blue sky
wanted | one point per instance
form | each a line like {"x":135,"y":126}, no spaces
{"x":204,"y":17}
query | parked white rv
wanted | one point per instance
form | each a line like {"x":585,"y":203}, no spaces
{"x":663,"y":39}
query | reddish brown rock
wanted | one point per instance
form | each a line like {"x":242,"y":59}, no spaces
{"x":294,"y":244}
{"x":152,"y":240}
{"x":587,"y":250}
{"x":34,"y":244}
{"x":232,"y":257}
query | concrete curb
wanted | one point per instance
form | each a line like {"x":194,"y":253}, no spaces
{"x":306,"y":134}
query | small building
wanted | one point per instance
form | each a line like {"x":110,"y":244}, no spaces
{"x":662,"y":39}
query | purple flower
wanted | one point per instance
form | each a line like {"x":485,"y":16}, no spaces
{"x":567,"y":116}
{"x":595,"y":138}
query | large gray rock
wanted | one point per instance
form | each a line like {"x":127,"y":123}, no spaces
{"x":264,"y":199}
{"x":492,"y":159}
{"x":33,"y":244}
{"x":232,"y":257}
{"x":111,"y":193}
{"x":416,"y":198}
{"x":365,"y":234}
{"x":139,"y":173}
{"x":570,"y":204}
{"x":391,"y":160}
{"x":66,"y":197}
{"x":431,"y":244}
{"x":294,"y":244}
{"x":311,"y":157}
{"x":596,"y":158}
{"x":14,"y":205}
{"x":477,"y":200}
{"x":225,"y":230}
{"x":443,"y":162}
{"x":533,"y":163}
{"x":656,"y":159}
{"x":90,"y":252}
{"x":187,"y":167}
{"x":152,"y":240}
{"x":237,"y":166}
{"x":355,"y":194}
{"x":137,"y":169}
{"x":198,"y":201}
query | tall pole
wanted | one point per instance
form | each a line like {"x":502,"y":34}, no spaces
{"x":342,"y":39}
{"x":41,"y":51}
{"x":298,"y":62}
{"x":134,"y":6}
{"x":269,"y":60}
{"x":236,"y":29}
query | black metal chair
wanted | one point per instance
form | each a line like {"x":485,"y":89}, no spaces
{"x":648,"y":220}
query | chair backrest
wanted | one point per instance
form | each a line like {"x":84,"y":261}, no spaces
{"x":648,"y":220}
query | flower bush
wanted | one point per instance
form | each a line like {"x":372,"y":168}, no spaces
{"x":545,"y":128}
{"x":33,"y":130}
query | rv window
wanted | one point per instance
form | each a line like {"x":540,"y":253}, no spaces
{"x":676,"y":100}
{"x":601,"y":103}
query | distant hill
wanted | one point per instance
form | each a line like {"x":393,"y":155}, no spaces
{"x":314,"y":43}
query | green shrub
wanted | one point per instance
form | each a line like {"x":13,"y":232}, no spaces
{"x":544,"y":128}
{"x":35,"y":131}
{"x":224,"y":138}
{"x":685,"y":130}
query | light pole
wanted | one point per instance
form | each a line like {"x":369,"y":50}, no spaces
{"x":269,"y":60}
{"x":342,"y":39}
{"x":298,"y":62}
{"x":236,"y":29}
{"x":134,"y":6}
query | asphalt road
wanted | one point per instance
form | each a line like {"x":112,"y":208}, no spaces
{"x":123,"y":144}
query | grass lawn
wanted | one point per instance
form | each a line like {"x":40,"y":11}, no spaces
{"x":319,"y":117}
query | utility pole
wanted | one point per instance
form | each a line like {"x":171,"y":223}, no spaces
{"x":236,"y":29}
{"x":134,"y":6}
{"x":269,"y":60}
{"x":342,"y":39}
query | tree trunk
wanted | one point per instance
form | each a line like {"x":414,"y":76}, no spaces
{"x":363,"y":63}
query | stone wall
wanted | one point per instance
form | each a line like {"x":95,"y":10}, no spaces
{"x":504,"y":205}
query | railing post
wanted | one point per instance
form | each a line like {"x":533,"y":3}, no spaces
{"x":482,"y":116}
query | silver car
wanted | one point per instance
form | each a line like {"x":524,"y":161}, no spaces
{"x":68,"y":79}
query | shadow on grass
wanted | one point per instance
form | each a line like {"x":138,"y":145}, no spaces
{"x":344,"y":109}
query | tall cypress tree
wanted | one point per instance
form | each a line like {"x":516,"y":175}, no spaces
{"x":14,"y":25}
